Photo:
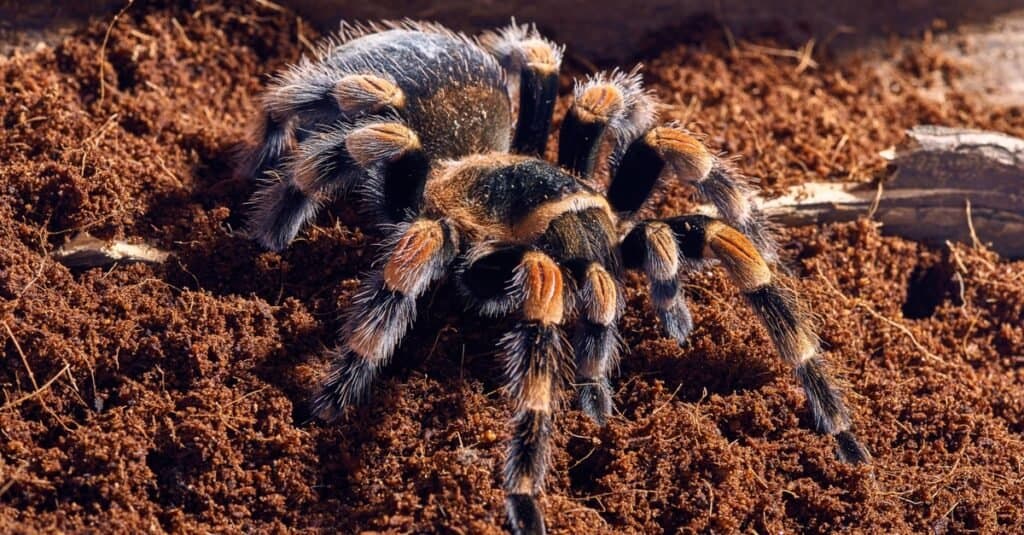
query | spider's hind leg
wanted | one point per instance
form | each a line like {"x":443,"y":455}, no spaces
{"x":534,"y":61}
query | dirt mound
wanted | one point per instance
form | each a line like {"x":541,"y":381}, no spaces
{"x":166,"y":397}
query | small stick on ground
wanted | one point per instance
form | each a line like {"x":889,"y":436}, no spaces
{"x":24,"y":360}
{"x":37,"y":391}
{"x":101,"y":57}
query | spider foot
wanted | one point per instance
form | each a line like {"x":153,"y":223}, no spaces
{"x":850,"y":450}
{"x":676,"y":320}
{"x":524,"y":516}
{"x":596,"y":400}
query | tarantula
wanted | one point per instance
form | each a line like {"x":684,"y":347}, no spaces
{"x":441,"y":137}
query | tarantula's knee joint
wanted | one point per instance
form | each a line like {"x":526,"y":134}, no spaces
{"x":745,"y":265}
{"x":366,"y":93}
{"x":612,"y":102}
{"x":543,"y":289}
{"x":419,"y":257}
{"x":380,"y":143}
{"x":601,"y":296}
{"x":541,"y":56}
{"x":688,"y":156}
{"x":599,"y":103}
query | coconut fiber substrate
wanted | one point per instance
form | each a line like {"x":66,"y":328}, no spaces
{"x":169,"y":397}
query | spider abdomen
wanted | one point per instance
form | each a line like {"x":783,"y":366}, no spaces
{"x":450,"y":91}
{"x":455,"y":92}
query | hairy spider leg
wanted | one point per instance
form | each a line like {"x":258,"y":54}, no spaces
{"x":385,"y":306}
{"x":700,"y":238}
{"x":661,"y":147}
{"x":534,"y":62}
{"x":605,"y":103}
{"x":651,"y":247}
{"x":537,"y":363}
{"x":383,"y":311}
{"x":319,"y":166}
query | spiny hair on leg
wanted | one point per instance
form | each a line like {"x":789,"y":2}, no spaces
{"x":596,"y":340}
{"x":532,"y":352}
{"x":521,"y":46}
{"x":791,"y":329}
{"x":304,"y":88}
{"x":278,"y":211}
{"x":672,"y":310}
{"x":732,"y":194}
{"x":377,"y":319}
{"x":322,"y":165}
{"x":635,"y":116}
{"x":524,"y":515}
{"x":597,"y":348}
{"x":347,"y":384}
{"x":359,"y":94}
{"x":789,"y":325}
{"x":528,"y":452}
{"x":269,"y":142}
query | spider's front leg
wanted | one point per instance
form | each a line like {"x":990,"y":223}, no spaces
{"x":534,"y":62}
{"x":297,"y":176}
{"x":596,"y":341}
{"x":537,"y":364}
{"x":385,"y":307}
{"x":701,"y":238}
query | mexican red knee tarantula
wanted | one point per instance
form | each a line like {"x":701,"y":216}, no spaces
{"x":419,"y":121}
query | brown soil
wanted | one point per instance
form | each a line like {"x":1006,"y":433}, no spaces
{"x":166,"y":398}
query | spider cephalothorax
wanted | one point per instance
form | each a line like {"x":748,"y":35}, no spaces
{"x":420,"y":122}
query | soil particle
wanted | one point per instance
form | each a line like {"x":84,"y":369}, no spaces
{"x":169,"y":397}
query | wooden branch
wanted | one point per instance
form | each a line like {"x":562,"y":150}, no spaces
{"x":84,"y":250}
{"x":946,"y":184}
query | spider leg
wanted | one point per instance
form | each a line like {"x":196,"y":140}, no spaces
{"x":500,"y":280}
{"x":534,"y":62}
{"x":320,"y":165}
{"x":310,"y":91}
{"x":270,"y":140}
{"x":644,"y":160}
{"x":651,"y":246}
{"x":537,"y":362}
{"x":700,"y":238}
{"x":397,"y":165}
{"x":383,"y":312}
{"x":613,"y":102}
{"x":288,"y":199}
{"x":596,"y":341}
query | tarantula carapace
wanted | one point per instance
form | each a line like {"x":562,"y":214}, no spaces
{"x":419,"y":122}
